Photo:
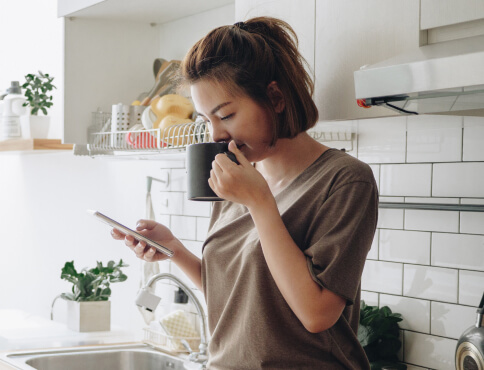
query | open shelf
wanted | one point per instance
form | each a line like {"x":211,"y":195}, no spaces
{"x":33,"y":144}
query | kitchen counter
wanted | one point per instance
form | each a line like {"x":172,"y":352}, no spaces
{"x":20,"y":330}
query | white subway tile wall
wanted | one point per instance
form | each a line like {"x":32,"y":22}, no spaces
{"x":432,"y":283}
{"x":431,"y":139}
{"x":382,"y":140}
{"x":426,"y":265}
{"x":406,"y":180}
{"x":465,"y":180}
{"x":450,"y":320}
{"x":473,"y":133}
{"x":405,"y":246}
{"x":432,"y":220}
{"x":429,"y":351}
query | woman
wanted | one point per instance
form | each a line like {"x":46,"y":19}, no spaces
{"x":284,"y":255}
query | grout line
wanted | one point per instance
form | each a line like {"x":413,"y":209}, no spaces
{"x":462,"y":141}
{"x":418,"y":299}
{"x":458,"y":285}
{"x":406,"y":139}
{"x":430,"y":335}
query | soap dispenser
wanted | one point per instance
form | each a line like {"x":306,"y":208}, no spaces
{"x":12,"y":109}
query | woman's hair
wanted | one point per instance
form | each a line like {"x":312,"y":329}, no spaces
{"x":246,"y":57}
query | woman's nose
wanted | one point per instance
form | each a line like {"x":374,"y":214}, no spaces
{"x":218,"y":133}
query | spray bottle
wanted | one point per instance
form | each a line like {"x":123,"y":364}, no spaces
{"x":12,"y":110}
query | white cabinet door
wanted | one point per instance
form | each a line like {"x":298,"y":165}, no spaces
{"x":438,"y":13}
{"x":351,"y":34}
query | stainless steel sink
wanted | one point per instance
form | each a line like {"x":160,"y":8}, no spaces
{"x":118,"y":357}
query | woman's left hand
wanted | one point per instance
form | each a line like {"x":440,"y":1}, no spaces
{"x":240,"y":183}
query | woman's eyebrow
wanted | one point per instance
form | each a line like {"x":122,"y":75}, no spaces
{"x":220,"y":106}
{"x":214,"y":110}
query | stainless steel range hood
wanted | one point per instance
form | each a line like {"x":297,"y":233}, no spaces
{"x":447,"y":77}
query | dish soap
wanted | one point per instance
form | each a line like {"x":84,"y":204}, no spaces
{"x":12,"y":110}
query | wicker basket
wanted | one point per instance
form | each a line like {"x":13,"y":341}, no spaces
{"x":169,"y":342}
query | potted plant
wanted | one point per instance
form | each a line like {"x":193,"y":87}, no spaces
{"x":89,"y":308}
{"x":38,"y":99}
{"x":379,"y":335}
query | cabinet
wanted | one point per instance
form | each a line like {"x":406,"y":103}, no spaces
{"x":446,"y":20}
{"x":110,"y":46}
{"x":338,"y":37}
{"x":439,"y":13}
{"x":335,"y":37}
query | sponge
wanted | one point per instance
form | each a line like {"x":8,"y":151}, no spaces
{"x":177,"y":324}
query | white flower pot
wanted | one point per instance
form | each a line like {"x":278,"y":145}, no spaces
{"x":89,"y":316}
{"x":35,"y":127}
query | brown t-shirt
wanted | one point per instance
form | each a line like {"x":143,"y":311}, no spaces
{"x":331,"y":211}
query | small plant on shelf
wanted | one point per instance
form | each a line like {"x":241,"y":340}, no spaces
{"x":37,"y":89}
{"x":379,"y":335}
{"x":92,"y":284}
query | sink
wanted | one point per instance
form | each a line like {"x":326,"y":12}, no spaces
{"x":119,"y":357}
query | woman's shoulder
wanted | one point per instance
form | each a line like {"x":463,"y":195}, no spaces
{"x":343,"y":167}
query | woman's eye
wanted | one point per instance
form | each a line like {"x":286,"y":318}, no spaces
{"x":227,"y":117}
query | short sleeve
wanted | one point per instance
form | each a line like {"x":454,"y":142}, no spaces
{"x":340,"y":237}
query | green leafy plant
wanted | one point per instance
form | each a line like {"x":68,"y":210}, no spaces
{"x":92,"y":284}
{"x":37,"y":88}
{"x":379,"y":335}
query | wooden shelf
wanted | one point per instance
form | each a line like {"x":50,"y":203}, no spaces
{"x":33,"y":144}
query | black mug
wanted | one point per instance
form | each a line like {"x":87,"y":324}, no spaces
{"x":199,"y":164}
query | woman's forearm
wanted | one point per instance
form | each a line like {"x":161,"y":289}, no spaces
{"x":316,"y":308}
{"x":190,"y":264}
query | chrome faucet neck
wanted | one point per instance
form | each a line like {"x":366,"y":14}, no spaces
{"x":203,"y":334}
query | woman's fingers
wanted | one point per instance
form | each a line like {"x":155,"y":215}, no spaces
{"x":130,"y":241}
{"x":145,"y":225}
{"x":150,"y":254}
{"x":139,"y":249}
{"x":118,"y":235}
{"x":238,"y":154}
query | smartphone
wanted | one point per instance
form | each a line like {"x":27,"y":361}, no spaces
{"x":128,"y":231}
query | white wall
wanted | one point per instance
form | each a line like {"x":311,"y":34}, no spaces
{"x":31,"y":40}
{"x":44,"y":195}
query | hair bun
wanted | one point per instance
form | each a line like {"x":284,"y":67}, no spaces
{"x":241,"y":25}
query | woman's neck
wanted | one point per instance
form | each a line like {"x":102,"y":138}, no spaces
{"x":289,"y":159}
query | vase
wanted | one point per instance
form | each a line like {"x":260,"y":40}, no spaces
{"x":89,"y":316}
{"x":35,"y":127}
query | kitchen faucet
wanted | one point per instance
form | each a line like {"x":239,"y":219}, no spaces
{"x":149,"y":302}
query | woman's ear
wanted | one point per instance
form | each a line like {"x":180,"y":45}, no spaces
{"x":276,"y":96}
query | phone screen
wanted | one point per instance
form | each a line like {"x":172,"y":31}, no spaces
{"x":133,"y":233}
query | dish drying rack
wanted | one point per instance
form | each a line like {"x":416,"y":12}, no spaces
{"x":173,"y":138}
{"x":171,"y":343}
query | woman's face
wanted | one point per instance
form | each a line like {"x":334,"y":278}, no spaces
{"x":234,"y":117}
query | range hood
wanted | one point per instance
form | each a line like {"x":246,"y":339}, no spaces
{"x":447,"y":77}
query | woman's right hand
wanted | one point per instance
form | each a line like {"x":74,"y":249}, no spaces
{"x":154,"y":231}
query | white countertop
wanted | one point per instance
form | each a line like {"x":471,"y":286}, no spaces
{"x":20,"y":330}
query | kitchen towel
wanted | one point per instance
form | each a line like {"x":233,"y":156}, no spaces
{"x":148,"y":269}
